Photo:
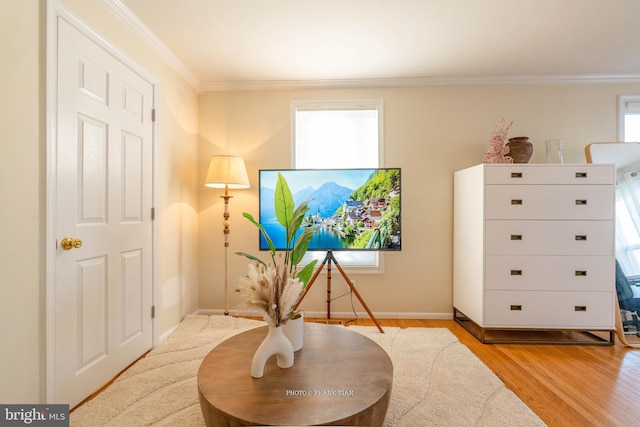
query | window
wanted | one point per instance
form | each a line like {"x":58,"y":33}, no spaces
{"x":339,"y":134}
{"x":627,"y":198}
{"x":628,"y":222}
{"x":630,"y":118}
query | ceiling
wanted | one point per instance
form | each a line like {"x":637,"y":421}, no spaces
{"x":235,"y":44}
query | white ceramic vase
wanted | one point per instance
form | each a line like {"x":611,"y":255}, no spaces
{"x":294,"y":331}
{"x":275,"y":343}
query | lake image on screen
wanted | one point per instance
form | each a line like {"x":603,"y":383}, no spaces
{"x":351,"y":209}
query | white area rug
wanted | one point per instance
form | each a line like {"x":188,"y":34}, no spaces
{"x":437,"y":381}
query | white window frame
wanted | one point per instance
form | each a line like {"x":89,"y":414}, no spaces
{"x":626,"y":102}
{"x":377,"y":265}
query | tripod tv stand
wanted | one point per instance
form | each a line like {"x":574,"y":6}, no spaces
{"x":328,"y":259}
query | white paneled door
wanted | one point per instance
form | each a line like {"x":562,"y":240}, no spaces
{"x":103,"y":216}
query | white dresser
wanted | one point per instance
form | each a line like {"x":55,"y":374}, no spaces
{"x":534,"y":251}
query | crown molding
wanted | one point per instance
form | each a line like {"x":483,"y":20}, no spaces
{"x":130,"y":19}
{"x":417,"y":81}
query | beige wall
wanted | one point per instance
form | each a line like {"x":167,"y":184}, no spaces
{"x":430,"y":132}
{"x":22,"y":185}
{"x":21,"y":215}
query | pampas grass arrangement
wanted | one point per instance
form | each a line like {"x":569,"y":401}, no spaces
{"x":272,"y":290}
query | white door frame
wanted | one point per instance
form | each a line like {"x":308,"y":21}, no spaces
{"x":56,"y":10}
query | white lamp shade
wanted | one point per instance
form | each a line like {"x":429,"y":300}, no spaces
{"x":227,"y":171}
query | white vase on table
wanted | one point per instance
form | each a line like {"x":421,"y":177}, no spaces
{"x":275,"y":343}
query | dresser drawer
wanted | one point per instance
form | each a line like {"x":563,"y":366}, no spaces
{"x":548,"y":174}
{"x":504,"y":237}
{"x":552,"y":310}
{"x":549,"y":202}
{"x":549,"y":273}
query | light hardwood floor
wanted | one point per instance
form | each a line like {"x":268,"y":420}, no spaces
{"x":566,"y":385}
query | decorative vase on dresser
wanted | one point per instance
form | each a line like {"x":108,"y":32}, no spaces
{"x":520,"y":149}
{"x":534,"y":252}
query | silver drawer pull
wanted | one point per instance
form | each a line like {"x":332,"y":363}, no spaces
{"x":581,"y":273}
{"x":581,"y":237}
{"x":516,"y":174}
{"x":581,"y":202}
{"x":581,"y":174}
{"x":516,"y":237}
{"x":580,"y":308}
{"x":516,"y":308}
{"x":516,"y":201}
{"x":516,"y":272}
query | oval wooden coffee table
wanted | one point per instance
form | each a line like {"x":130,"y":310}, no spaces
{"x":340,"y":377}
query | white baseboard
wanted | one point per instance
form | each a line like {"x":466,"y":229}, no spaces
{"x":337,"y":315}
{"x":166,"y":334}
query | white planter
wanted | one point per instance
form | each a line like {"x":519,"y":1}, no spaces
{"x":294,"y":331}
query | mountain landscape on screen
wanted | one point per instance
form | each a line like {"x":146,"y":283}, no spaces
{"x":351,"y":209}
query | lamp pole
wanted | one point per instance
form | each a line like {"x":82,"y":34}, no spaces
{"x":225,"y":223}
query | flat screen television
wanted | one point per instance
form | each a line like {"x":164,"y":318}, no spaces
{"x":351,"y":209}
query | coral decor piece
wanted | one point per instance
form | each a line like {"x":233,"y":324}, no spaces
{"x":498,"y":152}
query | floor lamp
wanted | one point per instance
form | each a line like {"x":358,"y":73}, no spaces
{"x":227,"y":172}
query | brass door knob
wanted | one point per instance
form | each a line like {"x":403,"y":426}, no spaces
{"x":70,"y":243}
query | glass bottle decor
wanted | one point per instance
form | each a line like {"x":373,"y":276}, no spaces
{"x":554,"y":151}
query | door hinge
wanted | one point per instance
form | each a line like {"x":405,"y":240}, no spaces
{"x":153,"y":214}
{"x":153,"y":114}
{"x":153,"y":311}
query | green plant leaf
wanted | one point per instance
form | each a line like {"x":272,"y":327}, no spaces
{"x":305,"y":274}
{"x":290,"y":218}
{"x":301,"y":245}
{"x":296,"y":221}
{"x":272,"y":247}
{"x":251,"y":257}
{"x":283,"y":204}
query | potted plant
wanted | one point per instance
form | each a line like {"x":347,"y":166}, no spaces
{"x":275,"y":288}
